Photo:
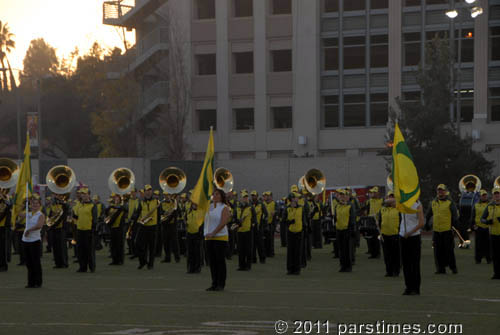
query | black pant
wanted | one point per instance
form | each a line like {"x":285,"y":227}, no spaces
{"x":170,"y":241}
{"x":269,"y":240}
{"x":86,"y":250}
{"x":193,"y":252}
{"x":217,"y":258}
{"x":132,"y":240}
{"x":283,"y":232}
{"x":3,"y":248}
{"x":146,"y":238}
{"x":495,"y":251}
{"x":293,"y":252}
{"x":317,"y":234}
{"x":231,"y":243}
{"x":373,"y":244}
{"x":50,"y":238}
{"x":59,"y":247}
{"x":345,"y":241}
{"x":410,"y":254}
{"x":482,"y":246}
{"x":117,"y":245}
{"x":245,"y":250}
{"x":20,"y":249}
{"x":392,"y":253}
{"x":258,"y":244}
{"x":32,"y":250}
{"x":181,"y":238}
{"x":463,"y":227}
{"x":443,"y":250}
{"x":303,"y":247}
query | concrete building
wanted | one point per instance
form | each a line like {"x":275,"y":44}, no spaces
{"x":310,"y":78}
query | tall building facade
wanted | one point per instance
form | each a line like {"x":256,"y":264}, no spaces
{"x":315,"y":78}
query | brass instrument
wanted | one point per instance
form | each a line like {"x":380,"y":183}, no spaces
{"x":314,"y":181}
{"x":121,"y":181}
{"x":54,"y":218}
{"x":148,"y":217}
{"x":497,"y":182}
{"x":61,"y":179}
{"x":301,"y":184}
{"x":223,"y":179}
{"x":164,"y":217}
{"x":467,"y":179}
{"x":9,"y":173}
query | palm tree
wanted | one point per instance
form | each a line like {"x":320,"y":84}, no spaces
{"x":6,"y":46}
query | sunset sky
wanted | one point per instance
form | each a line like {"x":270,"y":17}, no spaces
{"x":64,"y":24}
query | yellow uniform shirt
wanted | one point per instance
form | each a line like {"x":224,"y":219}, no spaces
{"x":479,"y":210}
{"x":271,"y":209}
{"x":146,"y":207}
{"x":192,"y":221}
{"x":3,"y":211}
{"x":295,"y":213}
{"x":441,"y":211}
{"x":132,"y":207}
{"x":84,"y":213}
{"x":375,"y":206}
{"x":389,"y":221}
{"x":492,"y":212}
{"x":168,"y":207}
{"x":245,"y":217}
{"x":343,"y":216}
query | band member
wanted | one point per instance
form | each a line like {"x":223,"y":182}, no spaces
{"x":411,"y":246}
{"x":482,"y":246}
{"x":260,"y":219}
{"x":306,"y":229}
{"x":168,"y":212}
{"x":102,"y":230}
{"x":389,"y":219}
{"x":295,"y":216}
{"x":86,"y":220}
{"x":147,"y":212}
{"x":181,"y":223}
{"x":216,"y":236}
{"x":5,"y":217}
{"x":444,"y":213}
{"x":47,"y":233}
{"x":132,"y":205}
{"x":32,"y":244}
{"x":465,"y":206}
{"x":59,"y":211}
{"x":193,"y":239}
{"x":270,"y":225}
{"x":316,"y":215}
{"x":372,"y":208}
{"x":491,"y":217}
{"x":345,"y":221}
{"x":115,"y":219}
{"x":245,"y":214}
{"x":232,"y":203}
{"x":159,"y":243}
{"x":333,"y":205}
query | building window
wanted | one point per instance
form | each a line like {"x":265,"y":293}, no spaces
{"x":205,"y":9}
{"x":354,"y":110}
{"x":354,"y":52}
{"x":495,"y":43}
{"x":331,"y":54}
{"x":331,"y":111}
{"x":379,"y":51}
{"x":206,"y":64}
{"x":430,"y":35}
{"x":466,"y":105}
{"x":243,"y":118}
{"x":411,"y":97}
{"x":281,"y":117}
{"x":379,"y":109}
{"x":354,"y":5}
{"x":467,"y":47}
{"x":281,"y":60}
{"x":281,"y":7}
{"x":331,"y":6}
{"x":379,"y":4}
{"x":494,"y":103}
{"x":243,"y":62}
{"x":206,"y":118}
{"x":243,"y":8}
{"x":436,"y":2}
{"x":410,"y":3}
{"x":411,"y":49}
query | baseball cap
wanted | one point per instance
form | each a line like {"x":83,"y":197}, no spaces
{"x":148,"y":187}
{"x":442,"y":187}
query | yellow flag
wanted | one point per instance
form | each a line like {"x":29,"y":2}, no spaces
{"x":404,"y":174}
{"x":23,"y":183}
{"x":205,"y":186}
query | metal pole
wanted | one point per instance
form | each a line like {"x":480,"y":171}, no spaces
{"x":40,"y":138}
{"x":452,"y":68}
{"x":459,"y":74}
{"x":18,"y":112}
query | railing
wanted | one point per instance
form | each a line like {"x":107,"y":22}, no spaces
{"x":158,"y":90}
{"x":151,"y":39}
{"x":113,"y":10}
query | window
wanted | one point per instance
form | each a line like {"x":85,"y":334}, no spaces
{"x":243,"y":118}
{"x":495,"y":43}
{"x":430,"y":35}
{"x":281,"y":117}
{"x":206,"y":118}
{"x":281,"y":7}
{"x":379,"y":4}
{"x":378,"y":109}
{"x":411,"y":49}
{"x":467,"y":46}
{"x":494,"y":103}
{"x":354,"y":110}
{"x":205,"y":64}
{"x":466,"y":105}
{"x":331,"y":6}
{"x":281,"y":60}
{"x":354,"y":52}
{"x":205,"y":9}
{"x":331,"y":111}
{"x":354,"y":5}
{"x":243,"y":62}
{"x":379,"y":51}
{"x":436,"y":2}
{"x":411,"y":96}
{"x":410,"y":3}
{"x":243,"y":8}
{"x":331,"y":54}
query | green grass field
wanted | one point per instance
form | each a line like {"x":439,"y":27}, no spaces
{"x":166,"y":300}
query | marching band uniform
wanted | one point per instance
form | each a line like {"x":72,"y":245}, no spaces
{"x":306,"y":229}
{"x":465,"y":207}
{"x":19,"y":228}
{"x":411,"y":246}
{"x":390,"y":218}
{"x":333,"y":206}
{"x":86,"y":216}
{"x":260,"y":219}
{"x":117,"y":213}
{"x":482,"y":246}
{"x":316,"y":215}
{"x":5,"y":218}
{"x":374,"y":205}
{"x":181,"y":224}
{"x":46,"y":232}
{"x":233,"y":204}
{"x":345,"y":218}
{"x":295,"y":216}
{"x":193,"y":240}
{"x":132,"y":205}
{"x":245,"y":214}
{"x":491,"y":217}
{"x":101,"y":229}
{"x":169,"y":229}
{"x":59,"y":247}
{"x":146,"y":236}
{"x":444,"y":212}
{"x":270,"y":224}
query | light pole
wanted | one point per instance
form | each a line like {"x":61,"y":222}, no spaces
{"x":467,"y":8}
{"x":18,"y":114}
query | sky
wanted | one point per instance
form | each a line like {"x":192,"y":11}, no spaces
{"x":64,"y":24}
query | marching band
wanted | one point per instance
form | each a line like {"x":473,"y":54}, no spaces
{"x":306,"y":219}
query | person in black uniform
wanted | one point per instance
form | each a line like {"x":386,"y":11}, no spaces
{"x":295,"y":219}
{"x":345,"y":221}
{"x":491,"y":217}
{"x":245,"y":217}
{"x":115,"y":219}
{"x":193,"y":239}
{"x":181,"y":223}
{"x":482,"y":246}
{"x":147,"y":216}
{"x":131,"y":236}
{"x":60,"y":211}
{"x":86,"y":216}
{"x":168,"y":214}
{"x":5,"y":213}
{"x":260,"y":219}
{"x":389,"y":219}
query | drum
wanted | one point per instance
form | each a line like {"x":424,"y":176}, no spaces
{"x":368,"y":226}
{"x":329,"y":231}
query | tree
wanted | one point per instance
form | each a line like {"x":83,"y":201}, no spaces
{"x":440,"y":154}
{"x":6,"y":46}
{"x":40,"y":61}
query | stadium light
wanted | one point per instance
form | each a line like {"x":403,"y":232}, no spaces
{"x":470,"y":1}
{"x":476,"y":11}
{"x":452,"y":14}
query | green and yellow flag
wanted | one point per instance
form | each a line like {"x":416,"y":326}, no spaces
{"x":205,"y":186}
{"x":23,"y":183}
{"x":404,"y":174}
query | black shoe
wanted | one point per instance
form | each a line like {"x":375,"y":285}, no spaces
{"x":218,"y":288}
{"x":58,"y":267}
{"x":113,"y":263}
{"x":92,"y":270}
{"x":406,"y":292}
{"x":478,"y":262}
{"x":488,"y":261}
{"x":150,"y":267}
{"x":177,"y":260}
{"x":81,"y":270}
{"x":3,"y":269}
{"x":241,"y":269}
{"x":141,"y":266}
{"x":495,"y":277}
{"x":373,"y":257}
{"x":165,"y":261}
{"x":19,"y":264}
{"x":440,"y":272}
{"x":132,"y":257}
{"x":454,"y":271}
{"x":211,"y":288}
{"x":388,"y":275}
{"x":262,"y":261}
